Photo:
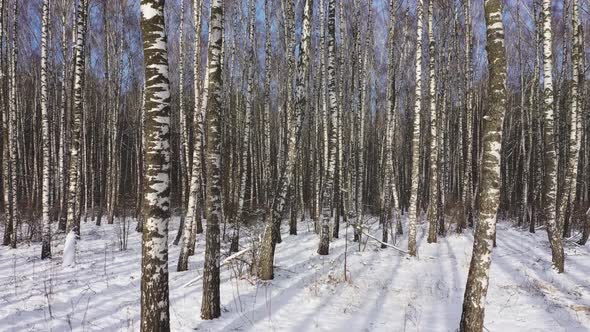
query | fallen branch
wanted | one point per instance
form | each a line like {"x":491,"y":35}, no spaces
{"x":386,"y":244}
{"x":234,"y":256}
{"x":224,"y":263}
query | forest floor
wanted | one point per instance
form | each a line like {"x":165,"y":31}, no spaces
{"x":384,"y":291}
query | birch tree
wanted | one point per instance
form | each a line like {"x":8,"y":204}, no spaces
{"x":6,"y":176}
{"x":210,"y":303}
{"x":246,"y":133}
{"x":156,"y":209}
{"x":362,"y":110}
{"x":184,"y":129}
{"x":472,"y":317}
{"x":574,"y":135}
{"x":328,"y":186}
{"x":13,"y":129}
{"x":46,"y":246}
{"x":272,"y":227}
{"x":63,"y":139}
{"x":468,"y":177}
{"x":266,"y":127}
{"x":193,"y":213}
{"x":433,"y":196}
{"x":550,"y":156}
{"x":72,"y":221}
{"x":390,"y":192}
{"x":413,"y":212}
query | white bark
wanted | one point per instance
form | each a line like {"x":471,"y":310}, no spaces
{"x":472,"y":318}
{"x":46,"y":246}
{"x":413,"y":213}
{"x":468,"y":177}
{"x":247,"y":121}
{"x":156,"y":208}
{"x":192,"y":213}
{"x":574,"y":135}
{"x":210,"y":304}
{"x":265,"y":271}
{"x":328,"y":186}
{"x":550,"y":155}
{"x":433,"y":196}
{"x":72,"y":222}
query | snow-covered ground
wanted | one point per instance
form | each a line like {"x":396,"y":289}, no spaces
{"x":385,"y":291}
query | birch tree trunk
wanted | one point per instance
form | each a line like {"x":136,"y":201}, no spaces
{"x":567,"y":202}
{"x":13,"y":130}
{"x":328,"y":187}
{"x":210,"y":304}
{"x":108,"y":109}
{"x":468,"y":200}
{"x":72,"y":223}
{"x":272,"y":228}
{"x":550,"y":157}
{"x":184,"y":135}
{"x":64,"y":139}
{"x":433,"y":196}
{"x":246,"y":133}
{"x":156,"y":208}
{"x":413,"y":212}
{"x":362,"y":110}
{"x":472,"y":318}
{"x":45,"y":218}
{"x":390,"y":193}
{"x":193,"y":212}
{"x":323,"y":105}
{"x":5,"y":150}
{"x":339,"y":197}
{"x":267,"y":76}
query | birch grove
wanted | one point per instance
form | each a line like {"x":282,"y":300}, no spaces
{"x":252,"y":127}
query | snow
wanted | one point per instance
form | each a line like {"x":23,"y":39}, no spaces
{"x":69,"y":252}
{"x":385,"y":290}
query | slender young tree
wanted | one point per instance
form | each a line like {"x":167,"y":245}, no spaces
{"x":13,"y":127}
{"x":246,"y":132}
{"x":476,"y":289}
{"x":6,"y":176}
{"x":340,"y":164}
{"x":413,"y":212}
{"x":193,"y":213}
{"x":210,"y":304}
{"x":468,"y":200}
{"x":63,"y":139}
{"x":328,"y":187}
{"x":272,"y":228}
{"x":362,"y":112}
{"x":550,"y":156}
{"x":567,"y":201}
{"x":46,"y":242}
{"x":389,"y":195}
{"x":266,"y":124}
{"x":111,"y":108}
{"x":323,"y":74}
{"x":433,"y":196}
{"x":156,"y":208}
{"x":184,"y":135}
{"x":72,"y":222}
